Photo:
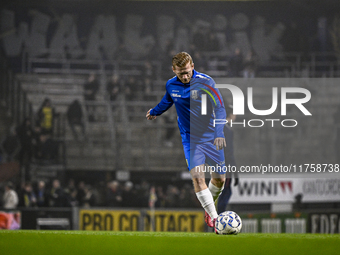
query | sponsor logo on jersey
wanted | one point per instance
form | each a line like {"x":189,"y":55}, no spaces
{"x":175,"y":95}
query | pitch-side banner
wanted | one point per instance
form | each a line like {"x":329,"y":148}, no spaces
{"x":109,"y":220}
{"x":269,"y":190}
{"x":10,"y":220}
{"x":133,"y":220}
{"x":174,"y":221}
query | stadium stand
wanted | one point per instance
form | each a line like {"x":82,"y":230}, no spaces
{"x":120,"y":127}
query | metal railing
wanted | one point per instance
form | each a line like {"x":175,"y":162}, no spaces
{"x":314,"y":64}
{"x":293,"y":64}
{"x":85,"y":66}
{"x":12,"y":96}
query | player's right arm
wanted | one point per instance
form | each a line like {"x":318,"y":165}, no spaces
{"x":149,"y":116}
{"x":162,"y":106}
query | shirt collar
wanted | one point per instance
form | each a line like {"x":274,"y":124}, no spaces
{"x":194,"y":74}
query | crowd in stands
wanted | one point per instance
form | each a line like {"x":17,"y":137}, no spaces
{"x":32,"y":139}
{"x":133,"y":88}
{"x":238,"y":63}
{"x":204,"y":51}
{"x":113,"y":194}
{"x":140,"y":87}
{"x":35,"y":140}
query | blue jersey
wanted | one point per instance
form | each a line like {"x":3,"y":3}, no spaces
{"x":194,"y":126}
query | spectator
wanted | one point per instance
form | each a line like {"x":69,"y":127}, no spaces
{"x":236,"y":64}
{"x":128,"y":195}
{"x":161,"y":198}
{"x":152,"y":197}
{"x":147,"y":89}
{"x":75,"y":118}
{"x":46,"y":116}
{"x":130,"y":88}
{"x":57,"y":196}
{"x":113,"y":87}
{"x":36,"y":142}
{"x":148,"y":76}
{"x":99,"y":191}
{"x":113,"y":195}
{"x":41,"y":195}
{"x":10,"y":197}
{"x":212,"y":43}
{"x":169,"y":51}
{"x":72,"y":198}
{"x":250,"y":65}
{"x":26,"y":135}
{"x":142,"y":191}
{"x":200,"y":62}
{"x":91,"y":88}
{"x":291,"y":39}
{"x":10,"y":146}
{"x":80,"y":192}
{"x":148,"y":71}
{"x":172,"y":196}
{"x":47,"y":149}
{"x":199,"y":39}
{"x":185,"y":197}
{"x":28,"y":198}
{"x":71,"y":193}
{"x":89,"y":198}
{"x":168,"y":48}
{"x":71,"y":186}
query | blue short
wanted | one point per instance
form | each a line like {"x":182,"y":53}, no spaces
{"x":200,"y":153}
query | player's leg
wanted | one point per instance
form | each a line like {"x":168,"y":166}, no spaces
{"x":224,"y":197}
{"x":215,"y":159}
{"x":216,"y":184}
{"x":203,"y":193}
{"x":195,"y":159}
{"x":198,"y":178}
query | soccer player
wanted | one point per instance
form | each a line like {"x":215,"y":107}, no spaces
{"x":202,"y":140}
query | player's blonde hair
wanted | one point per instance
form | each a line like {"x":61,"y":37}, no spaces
{"x":181,"y":59}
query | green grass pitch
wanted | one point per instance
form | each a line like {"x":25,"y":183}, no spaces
{"x":50,"y":242}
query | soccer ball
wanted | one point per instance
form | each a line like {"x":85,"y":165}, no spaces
{"x":228,"y":223}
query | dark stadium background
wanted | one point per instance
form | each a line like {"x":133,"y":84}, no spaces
{"x":300,"y":42}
